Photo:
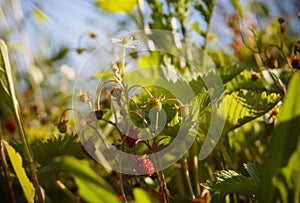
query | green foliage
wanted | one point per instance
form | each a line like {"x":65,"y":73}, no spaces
{"x":117,"y":5}
{"x":241,"y":107}
{"x":229,"y":72}
{"x":232,"y":182}
{"x":283,"y":147}
{"x":46,"y":150}
{"x":6,"y":81}
{"x":17,"y":163}
{"x":91,"y":187}
{"x":7,"y":92}
{"x":258,"y":134}
{"x":244,"y":81}
{"x":142,"y":196}
{"x":159,"y":19}
{"x":252,"y":169}
{"x":39,"y":14}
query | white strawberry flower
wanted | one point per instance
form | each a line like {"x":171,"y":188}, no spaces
{"x":127,"y":42}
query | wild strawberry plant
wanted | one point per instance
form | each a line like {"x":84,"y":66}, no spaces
{"x":238,"y":125}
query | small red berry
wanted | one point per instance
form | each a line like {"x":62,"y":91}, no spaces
{"x":121,"y":197}
{"x":145,"y":166}
{"x":11,"y":126}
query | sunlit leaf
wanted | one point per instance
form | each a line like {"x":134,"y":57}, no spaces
{"x":153,"y":59}
{"x":244,"y":81}
{"x":231,"y":182}
{"x":241,"y":107}
{"x":17,"y":163}
{"x":284,"y":141}
{"x":117,"y":5}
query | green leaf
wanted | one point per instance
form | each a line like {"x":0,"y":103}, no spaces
{"x":288,"y":181}
{"x":7,"y":90}
{"x":40,"y":15}
{"x":244,"y":81}
{"x":102,"y":75}
{"x":141,"y":195}
{"x":196,"y":28}
{"x":284,"y":140}
{"x":9,"y":96}
{"x":117,"y":5}
{"x":17,"y":164}
{"x":252,"y":169}
{"x":228,"y":72}
{"x":5,"y":75}
{"x":232,"y":182}
{"x":241,"y":107}
{"x":237,"y":5}
{"x":153,"y":59}
{"x":45,"y":150}
{"x":91,"y":187}
{"x":260,"y":8}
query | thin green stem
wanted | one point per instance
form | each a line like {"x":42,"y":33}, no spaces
{"x":141,"y":12}
{"x":196,"y":168}
{"x":213,"y":3}
{"x":147,"y":91}
{"x":123,"y":63}
{"x":122,"y":187}
{"x":187,"y":174}
{"x":29,"y":156}
{"x":13,"y":103}
{"x":63,"y":114}
{"x":120,"y":174}
{"x":162,"y":182}
{"x":277,"y":81}
{"x":174,"y":99}
{"x":100,"y":91}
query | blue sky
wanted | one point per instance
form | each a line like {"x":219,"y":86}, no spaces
{"x":70,"y":19}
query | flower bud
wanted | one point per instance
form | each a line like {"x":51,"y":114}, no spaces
{"x":254,"y":75}
{"x":83,"y":96}
{"x":61,"y":126}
